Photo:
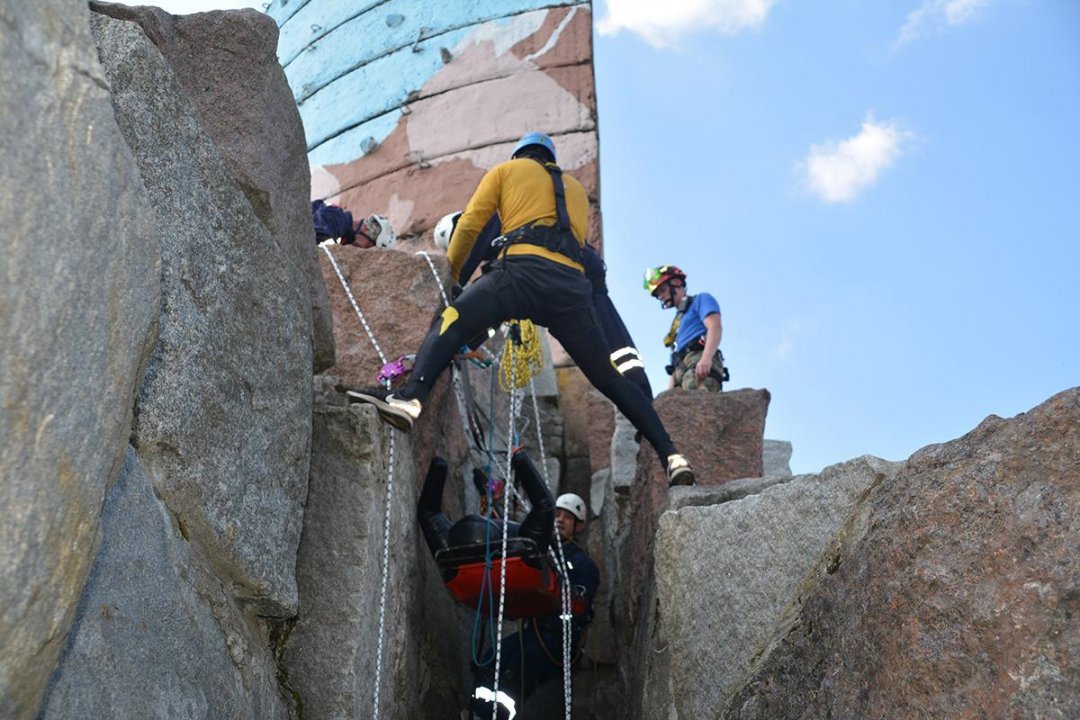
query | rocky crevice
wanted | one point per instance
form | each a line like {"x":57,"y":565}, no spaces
{"x":193,"y":524}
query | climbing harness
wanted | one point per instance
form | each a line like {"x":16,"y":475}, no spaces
{"x":558,"y":238}
{"x":389,"y":492}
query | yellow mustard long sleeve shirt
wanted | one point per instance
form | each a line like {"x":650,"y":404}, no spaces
{"x":521,"y":192}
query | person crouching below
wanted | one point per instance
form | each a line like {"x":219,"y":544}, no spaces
{"x":534,"y":654}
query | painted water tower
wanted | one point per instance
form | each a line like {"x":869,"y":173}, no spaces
{"x":406,"y":103}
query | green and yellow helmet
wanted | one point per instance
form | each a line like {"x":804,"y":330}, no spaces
{"x":656,"y":277}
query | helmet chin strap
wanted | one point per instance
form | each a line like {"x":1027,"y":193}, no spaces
{"x":668,"y":289}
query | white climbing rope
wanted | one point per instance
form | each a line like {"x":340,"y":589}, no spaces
{"x":352,"y":300}
{"x":539,"y":434}
{"x":431,"y":264}
{"x":564,"y":601}
{"x":505,"y":535}
{"x":564,"y":589}
{"x":385,"y":574}
{"x":389,"y":493}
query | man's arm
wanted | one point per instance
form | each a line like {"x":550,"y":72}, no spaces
{"x":482,"y":205}
{"x":714,"y":328}
{"x":584,"y":573}
{"x":480,"y":251}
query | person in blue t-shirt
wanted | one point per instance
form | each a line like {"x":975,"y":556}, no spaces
{"x":694,"y":337}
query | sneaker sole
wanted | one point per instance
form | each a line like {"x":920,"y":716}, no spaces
{"x":395,"y":417}
{"x":683,"y":478}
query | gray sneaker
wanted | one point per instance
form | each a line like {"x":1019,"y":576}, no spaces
{"x":678,"y":471}
{"x":397,"y":411}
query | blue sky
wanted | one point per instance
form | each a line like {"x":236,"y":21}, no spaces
{"x":882,"y":197}
{"x":884,"y":202}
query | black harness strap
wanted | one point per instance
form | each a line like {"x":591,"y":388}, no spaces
{"x":563,"y":222}
{"x":557,"y":238}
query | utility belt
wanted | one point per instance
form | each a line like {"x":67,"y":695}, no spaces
{"x":549,"y":237}
{"x":697,"y":345}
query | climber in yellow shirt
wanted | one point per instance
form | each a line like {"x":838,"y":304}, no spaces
{"x":520,"y":191}
{"x":538,"y":275}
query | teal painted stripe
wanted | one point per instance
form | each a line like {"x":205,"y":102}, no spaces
{"x":374,"y":89}
{"x":316,"y":20}
{"x":356,"y":142}
{"x":369,"y":36}
{"x":282,"y":10}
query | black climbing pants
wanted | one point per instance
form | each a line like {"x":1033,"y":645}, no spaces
{"x":554,"y":296}
{"x":530,"y":657}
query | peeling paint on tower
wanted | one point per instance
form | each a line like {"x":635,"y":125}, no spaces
{"x":407,"y":103}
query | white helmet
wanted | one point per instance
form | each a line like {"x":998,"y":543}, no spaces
{"x":445,"y":228}
{"x":378,"y":230}
{"x":573,"y":504}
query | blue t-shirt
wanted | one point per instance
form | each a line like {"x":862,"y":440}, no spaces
{"x":693,"y":322}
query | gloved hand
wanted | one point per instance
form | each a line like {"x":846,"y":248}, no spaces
{"x":455,"y":291}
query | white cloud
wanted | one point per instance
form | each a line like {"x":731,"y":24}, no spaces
{"x":937,"y":15}
{"x":839,"y":171}
{"x":662,"y":22}
{"x":787,"y":339}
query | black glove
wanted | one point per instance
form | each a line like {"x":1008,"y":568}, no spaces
{"x":455,"y":291}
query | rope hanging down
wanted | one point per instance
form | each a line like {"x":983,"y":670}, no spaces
{"x":519,"y":364}
{"x":505,"y":535}
{"x":389,"y":494}
{"x":560,"y":563}
{"x":471,"y":422}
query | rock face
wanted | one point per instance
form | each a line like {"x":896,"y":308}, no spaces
{"x":726,"y":575}
{"x":223,"y":418}
{"x":720,"y":433}
{"x":776,"y":458}
{"x":398,"y":295}
{"x":581,"y":404}
{"x":163,"y":448}
{"x":78,"y":313}
{"x":253,"y":123}
{"x":960,"y":596}
{"x":148,"y":609}
{"x":331,"y":652}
